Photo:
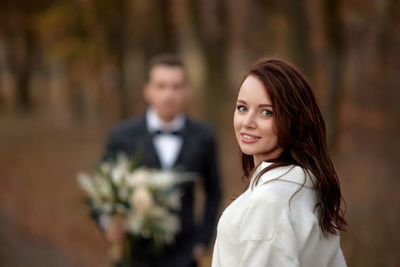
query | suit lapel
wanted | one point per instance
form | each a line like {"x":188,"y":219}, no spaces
{"x":179,"y":162}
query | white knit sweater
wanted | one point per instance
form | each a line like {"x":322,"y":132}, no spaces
{"x":266,"y":227}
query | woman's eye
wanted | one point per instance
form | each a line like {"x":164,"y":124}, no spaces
{"x":267,"y":113}
{"x":241,"y":108}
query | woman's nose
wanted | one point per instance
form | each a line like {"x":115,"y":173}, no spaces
{"x":249,"y":120}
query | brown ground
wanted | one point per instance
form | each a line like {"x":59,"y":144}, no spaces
{"x":41,"y":205}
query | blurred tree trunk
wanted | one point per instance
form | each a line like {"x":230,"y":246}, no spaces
{"x":317,"y":42}
{"x":17,"y":23}
{"x":237,"y":54}
{"x":20,"y":50}
{"x":189,"y":44}
{"x":388,"y":58}
{"x":388,"y":49}
{"x":211,"y":31}
{"x":2,"y":101}
{"x":24,"y":71}
{"x":166,"y":23}
{"x":118,"y":45}
{"x":2,"y":74}
{"x":300,"y":48}
{"x":112,"y":18}
{"x":335,"y":45}
{"x":135,"y":61}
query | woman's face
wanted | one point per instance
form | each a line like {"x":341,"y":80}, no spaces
{"x":254,"y":123}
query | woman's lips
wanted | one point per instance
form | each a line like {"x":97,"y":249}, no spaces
{"x":249,"y":138}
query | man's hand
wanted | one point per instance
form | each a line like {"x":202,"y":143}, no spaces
{"x":114,"y":232}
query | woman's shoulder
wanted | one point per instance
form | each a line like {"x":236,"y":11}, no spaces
{"x":291,"y":174}
{"x":277,"y":186}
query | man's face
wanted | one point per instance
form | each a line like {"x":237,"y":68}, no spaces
{"x":166,"y":91}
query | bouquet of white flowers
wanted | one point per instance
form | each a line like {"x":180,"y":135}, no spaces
{"x":144,"y":201}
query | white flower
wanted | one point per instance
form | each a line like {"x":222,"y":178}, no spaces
{"x":105,"y":167}
{"x":173,"y":200}
{"x":103,"y":187}
{"x":118,"y":173}
{"x":123,"y":193}
{"x":120,"y":170}
{"x":167,"y":221}
{"x":170,"y":224}
{"x":106,"y":207}
{"x":157,"y":212}
{"x":138,"y":178}
{"x":134,"y":223}
{"x":120,"y":208}
{"x":162,"y":179}
{"x":86,"y":183}
{"x":141,"y":200}
{"x":122,"y":159}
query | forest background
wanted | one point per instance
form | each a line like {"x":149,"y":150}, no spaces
{"x":70,"y":69}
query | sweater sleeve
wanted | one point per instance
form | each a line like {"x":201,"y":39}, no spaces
{"x":267,"y":235}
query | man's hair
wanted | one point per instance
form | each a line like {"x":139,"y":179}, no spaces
{"x":169,"y":60}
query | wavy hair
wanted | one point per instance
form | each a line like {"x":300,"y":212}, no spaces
{"x":301,"y":134}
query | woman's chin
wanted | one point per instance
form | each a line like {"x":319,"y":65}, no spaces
{"x":247,"y":151}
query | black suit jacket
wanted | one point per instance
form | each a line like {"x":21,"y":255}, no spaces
{"x":198,"y":154}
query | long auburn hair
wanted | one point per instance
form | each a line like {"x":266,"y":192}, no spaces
{"x":301,"y":133}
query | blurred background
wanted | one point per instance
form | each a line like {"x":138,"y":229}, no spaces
{"x":70,"y":69}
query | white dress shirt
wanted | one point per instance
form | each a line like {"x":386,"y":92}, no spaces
{"x":167,"y":146}
{"x":260,"y":228}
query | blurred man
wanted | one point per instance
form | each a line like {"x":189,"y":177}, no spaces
{"x":167,"y":138}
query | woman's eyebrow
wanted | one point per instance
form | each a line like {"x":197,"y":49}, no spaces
{"x":265,"y":105}
{"x":261,"y":105}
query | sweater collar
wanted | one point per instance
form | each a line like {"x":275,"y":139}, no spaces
{"x":291,"y":173}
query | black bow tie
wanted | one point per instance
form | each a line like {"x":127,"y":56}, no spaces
{"x":176,"y":132}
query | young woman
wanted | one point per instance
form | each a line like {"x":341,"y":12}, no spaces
{"x":290,"y":214}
